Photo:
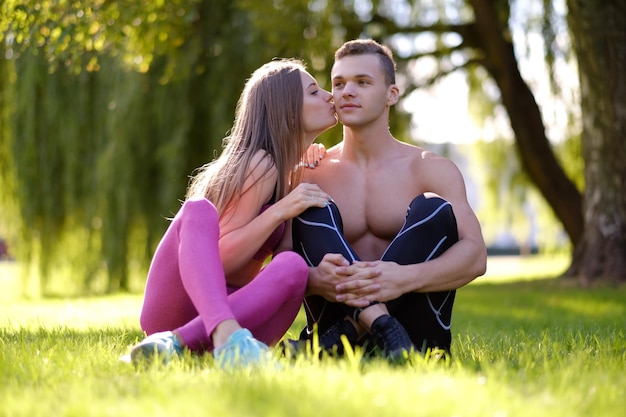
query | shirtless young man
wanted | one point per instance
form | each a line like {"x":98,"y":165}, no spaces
{"x":377,"y":271}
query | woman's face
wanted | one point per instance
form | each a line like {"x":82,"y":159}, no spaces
{"x":318,"y":110}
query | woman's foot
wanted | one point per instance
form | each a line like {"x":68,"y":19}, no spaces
{"x":241,"y":350}
{"x":223,"y":331}
{"x":162,"y":345}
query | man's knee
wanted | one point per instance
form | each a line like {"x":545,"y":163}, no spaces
{"x":435,"y":213}
{"x":426,"y":206}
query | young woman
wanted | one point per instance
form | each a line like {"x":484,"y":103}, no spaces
{"x":207,"y":288}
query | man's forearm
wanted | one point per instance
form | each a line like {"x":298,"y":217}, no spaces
{"x":459,"y":265}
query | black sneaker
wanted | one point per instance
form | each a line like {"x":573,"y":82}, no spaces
{"x":392,"y":338}
{"x":330,"y":341}
{"x":331,"y":338}
{"x":292,"y":348}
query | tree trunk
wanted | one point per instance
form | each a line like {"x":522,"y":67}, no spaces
{"x":599,"y":35}
{"x":537,"y":157}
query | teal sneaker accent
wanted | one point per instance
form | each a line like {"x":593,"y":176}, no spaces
{"x":241,"y":350}
{"x":162,"y":345}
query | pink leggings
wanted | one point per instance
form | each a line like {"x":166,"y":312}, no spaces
{"x":186,"y":289}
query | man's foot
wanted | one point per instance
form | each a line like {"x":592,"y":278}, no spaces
{"x":241,"y":350}
{"x":292,"y":348}
{"x":392,"y":338}
{"x":162,"y":345}
{"x":330,"y":340}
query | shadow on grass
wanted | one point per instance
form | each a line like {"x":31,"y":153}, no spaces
{"x":538,"y":304}
{"x":61,"y":337}
{"x":512,"y":322}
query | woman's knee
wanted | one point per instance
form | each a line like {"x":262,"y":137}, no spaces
{"x":198,"y":214}
{"x":199,"y":206}
{"x":148,"y":323}
{"x":296,"y":268}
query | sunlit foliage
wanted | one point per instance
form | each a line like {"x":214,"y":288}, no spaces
{"x":106,"y":108}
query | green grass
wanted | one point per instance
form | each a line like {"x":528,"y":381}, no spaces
{"x":524,"y":345}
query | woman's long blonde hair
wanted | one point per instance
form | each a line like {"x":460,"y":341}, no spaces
{"x":268,"y":117}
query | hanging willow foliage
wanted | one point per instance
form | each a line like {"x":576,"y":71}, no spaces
{"x":106,"y":111}
{"x":93,"y":153}
{"x":96,"y":160}
{"x":8,"y":207}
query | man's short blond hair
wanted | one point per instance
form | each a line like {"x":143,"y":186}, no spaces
{"x":370,"y":46}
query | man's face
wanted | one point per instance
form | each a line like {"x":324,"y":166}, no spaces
{"x":359,"y":89}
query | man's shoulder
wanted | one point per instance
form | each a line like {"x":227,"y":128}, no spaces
{"x":426,"y":165}
{"x":424,"y":155}
{"x":416,"y":154}
{"x":334,"y":151}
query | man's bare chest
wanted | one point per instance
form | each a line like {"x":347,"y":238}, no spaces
{"x":370,"y":209}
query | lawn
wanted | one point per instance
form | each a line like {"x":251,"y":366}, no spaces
{"x":525,"y":344}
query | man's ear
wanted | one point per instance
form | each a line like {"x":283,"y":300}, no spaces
{"x":393,"y":95}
